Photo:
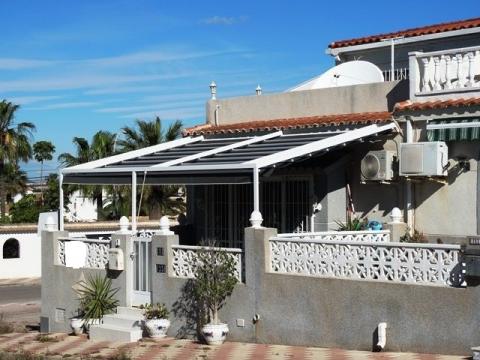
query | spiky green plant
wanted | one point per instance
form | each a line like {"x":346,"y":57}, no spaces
{"x":352,"y":224}
{"x":96,"y":296}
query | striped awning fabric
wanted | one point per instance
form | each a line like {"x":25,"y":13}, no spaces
{"x":453,"y":132}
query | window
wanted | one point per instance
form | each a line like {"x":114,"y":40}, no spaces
{"x":285,"y":204}
{"x":11,"y":249}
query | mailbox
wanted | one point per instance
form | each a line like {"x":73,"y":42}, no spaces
{"x":471,"y":252}
{"x":115,"y":259}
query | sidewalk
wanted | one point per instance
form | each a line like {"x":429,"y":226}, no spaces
{"x":20,"y":281}
{"x":76,"y":347}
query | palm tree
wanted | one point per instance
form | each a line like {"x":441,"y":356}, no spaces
{"x":14,"y":143}
{"x":43,"y":150}
{"x":149,"y":133}
{"x":158,"y":199}
{"x":102,"y":145}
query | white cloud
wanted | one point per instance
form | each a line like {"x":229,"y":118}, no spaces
{"x":224,"y":20}
{"x":150,"y":107}
{"x":173,"y":113}
{"x":81,"y":81}
{"x":67,"y":105}
{"x":25,"y":100}
{"x":18,"y":64}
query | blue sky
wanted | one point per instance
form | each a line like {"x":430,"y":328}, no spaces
{"x":77,"y":67}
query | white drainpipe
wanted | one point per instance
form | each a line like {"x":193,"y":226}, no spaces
{"x":382,"y":336}
{"x":408,"y":184}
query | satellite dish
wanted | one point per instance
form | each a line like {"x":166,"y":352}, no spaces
{"x":349,"y":73}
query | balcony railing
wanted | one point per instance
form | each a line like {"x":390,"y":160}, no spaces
{"x":446,"y":71}
{"x":398,"y":74}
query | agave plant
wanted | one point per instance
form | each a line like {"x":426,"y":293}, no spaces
{"x":96,"y":296}
{"x":352,"y":224}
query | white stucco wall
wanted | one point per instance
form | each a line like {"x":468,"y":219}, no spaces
{"x":29,"y":263}
{"x":450,"y":209}
{"x":81,"y":208}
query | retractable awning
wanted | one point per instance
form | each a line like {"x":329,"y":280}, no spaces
{"x":460,"y":129}
{"x":198,"y":160}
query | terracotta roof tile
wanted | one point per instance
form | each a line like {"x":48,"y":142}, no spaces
{"x":291,"y":123}
{"x":424,"y":30}
{"x":437,"y":104}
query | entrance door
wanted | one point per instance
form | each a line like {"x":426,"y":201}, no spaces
{"x":142,"y":246}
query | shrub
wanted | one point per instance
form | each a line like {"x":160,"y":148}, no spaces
{"x":215,"y":279}
{"x":5,"y":327}
{"x":25,"y":210}
{"x":96,"y":296}
{"x":157,"y":311}
{"x":416,"y":237}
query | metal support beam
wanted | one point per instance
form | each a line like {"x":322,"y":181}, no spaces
{"x":134,"y":202}
{"x":256,"y":190}
{"x":60,"y":202}
{"x":256,"y":217}
{"x":409,"y":209}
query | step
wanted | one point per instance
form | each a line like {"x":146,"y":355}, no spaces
{"x":114,"y":333}
{"x":123,"y":321}
{"x":129,"y":311}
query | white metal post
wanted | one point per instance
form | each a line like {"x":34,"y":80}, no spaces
{"x":134,"y":202}
{"x":256,"y":190}
{"x":392,"y":61}
{"x":408,"y":184}
{"x":256,"y":217}
{"x":60,"y":201}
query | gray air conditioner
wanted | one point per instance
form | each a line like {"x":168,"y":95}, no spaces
{"x":377,"y":166}
{"x":424,"y":159}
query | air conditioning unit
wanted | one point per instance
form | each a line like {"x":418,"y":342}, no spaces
{"x":424,"y":159}
{"x":377,"y":166}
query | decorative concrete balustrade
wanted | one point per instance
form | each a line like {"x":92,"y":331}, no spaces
{"x":96,"y":256}
{"x":185,"y":259}
{"x":372,"y":236}
{"x":427,"y":264}
{"x":446,"y":71}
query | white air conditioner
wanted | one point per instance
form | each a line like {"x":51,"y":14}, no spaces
{"x":377,"y":166}
{"x":424,"y":159}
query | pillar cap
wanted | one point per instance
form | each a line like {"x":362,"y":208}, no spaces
{"x":50,"y":224}
{"x":256,"y":219}
{"x":164,"y":226}
{"x":396,"y":215}
{"x":124,"y":224}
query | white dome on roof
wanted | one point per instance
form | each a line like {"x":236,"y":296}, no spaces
{"x":349,"y":73}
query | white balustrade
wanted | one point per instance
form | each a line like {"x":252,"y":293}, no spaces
{"x":372,"y":236}
{"x":427,"y":264}
{"x":185,"y":260}
{"x":454,"y":70}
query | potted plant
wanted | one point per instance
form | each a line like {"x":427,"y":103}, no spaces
{"x":156,"y":320}
{"x":97,"y":298}
{"x":215,"y":279}
{"x":76,"y":322}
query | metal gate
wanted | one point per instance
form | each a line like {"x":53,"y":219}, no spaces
{"x":142,"y":288}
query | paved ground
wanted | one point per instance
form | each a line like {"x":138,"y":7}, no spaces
{"x":20,"y":301}
{"x":79,"y":347}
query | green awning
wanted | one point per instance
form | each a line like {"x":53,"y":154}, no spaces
{"x":454,"y":130}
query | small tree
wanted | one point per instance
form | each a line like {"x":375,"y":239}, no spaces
{"x":215,"y":279}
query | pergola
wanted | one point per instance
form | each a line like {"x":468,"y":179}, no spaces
{"x":199,"y":160}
